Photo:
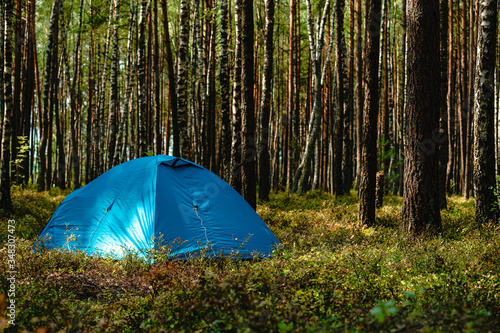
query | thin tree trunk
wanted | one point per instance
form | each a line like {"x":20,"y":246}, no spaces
{"x":114,"y":99}
{"x":485,"y":184}
{"x":266,"y":105}
{"x":302,"y":175}
{"x":5,"y":181}
{"x":44,"y":175}
{"x":89,"y":161}
{"x":172,"y":87}
{"x":347,"y":164}
{"x":142,"y":102}
{"x":248,"y":151}
{"x":443,"y":118}
{"x":340,"y":60}
{"x":120,"y":152}
{"x":28,"y":86}
{"x":235,"y":179}
{"x":366,"y":215}
{"x":182,"y":103}
{"x":74,"y":96}
{"x":18,"y":25}
{"x":450,"y":99}
{"x":421,"y":195}
{"x":224,"y":93}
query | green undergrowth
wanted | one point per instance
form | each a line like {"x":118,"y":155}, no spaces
{"x":330,"y":275}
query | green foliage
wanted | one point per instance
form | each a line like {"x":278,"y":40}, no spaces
{"x":329,"y":275}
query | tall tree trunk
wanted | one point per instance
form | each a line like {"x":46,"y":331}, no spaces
{"x":2,"y":97}
{"x":359,"y":91}
{"x":142,"y":102}
{"x":121,"y":149}
{"x":402,"y":118}
{"x":421,"y":195}
{"x":114,"y":101}
{"x":224,"y":93}
{"x":74,"y":96}
{"x":89,"y":161}
{"x":182,"y":103}
{"x":347,"y":164}
{"x":44,"y":175}
{"x":385,"y":137}
{"x":266,"y":104}
{"x":291,"y":143}
{"x":340,"y":60}
{"x":28,"y":86}
{"x":443,"y":114}
{"x":60,"y":180}
{"x":303,"y":173}
{"x":368,"y":170}
{"x":172,"y":87}
{"x":5,"y":181}
{"x":18,"y":25}
{"x":248,"y":151}
{"x":450,"y":98}
{"x":235,"y":179}
{"x":484,"y":112}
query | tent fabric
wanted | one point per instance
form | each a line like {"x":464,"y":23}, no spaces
{"x":135,"y":204}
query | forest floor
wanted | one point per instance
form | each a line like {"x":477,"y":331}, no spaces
{"x":329,"y":275}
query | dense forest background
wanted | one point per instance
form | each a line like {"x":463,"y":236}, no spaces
{"x":270,"y":95}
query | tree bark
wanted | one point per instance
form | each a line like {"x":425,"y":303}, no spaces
{"x":266,"y":104}
{"x":485,"y":185}
{"x":142,"y":101}
{"x":44,"y":175}
{"x":114,"y":101}
{"x":421,"y":194}
{"x":5,"y":181}
{"x":224,"y":93}
{"x":235,"y":179}
{"x":172,"y":87}
{"x":366,"y":215}
{"x":182,"y":103}
{"x":339,"y":128}
{"x":303,"y":173}
{"x":249,"y":151}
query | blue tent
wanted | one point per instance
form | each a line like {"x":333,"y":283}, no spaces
{"x":158,"y":198}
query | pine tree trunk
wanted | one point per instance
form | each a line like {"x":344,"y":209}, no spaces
{"x":74,"y":97}
{"x":421,"y":194}
{"x":141,"y":78}
{"x":224,"y":93}
{"x":443,"y":120}
{"x":235,"y":179}
{"x":89,"y":161}
{"x":450,"y":99}
{"x":347,"y":164}
{"x":182,"y":103}
{"x":2,"y":97}
{"x":359,"y":91}
{"x":121,"y":149}
{"x":5,"y":181}
{"x":366,"y":215}
{"x":28,"y":86}
{"x":266,"y":104}
{"x":157,"y":83}
{"x":485,"y":184}
{"x":172,"y":87}
{"x":18,"y":25}
{"x":248,"y":151}
{"x":339,"y":128}
{"x":303,"y":173}
{"x":44,"y":175}
{"x":114,"y":101}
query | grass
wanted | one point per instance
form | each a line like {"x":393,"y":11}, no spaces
{"x":330,"y":275}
